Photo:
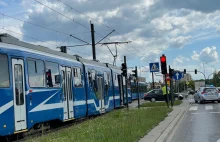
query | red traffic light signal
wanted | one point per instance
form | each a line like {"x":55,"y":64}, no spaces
{"x":163,"y":58}
{"x":163,"y":64}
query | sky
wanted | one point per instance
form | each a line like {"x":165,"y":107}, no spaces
{"x":187,"y":32}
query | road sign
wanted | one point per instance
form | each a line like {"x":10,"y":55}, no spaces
{"x":154,"y":67}
{"x":177,"y":75}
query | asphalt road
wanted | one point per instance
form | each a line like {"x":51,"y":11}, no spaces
{"x":200,"y":124}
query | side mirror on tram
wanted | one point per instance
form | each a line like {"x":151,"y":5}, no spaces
{"x":57,"y":79}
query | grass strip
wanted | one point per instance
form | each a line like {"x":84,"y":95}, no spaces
{"x":158,"y":104}
{"x":118,"y":126}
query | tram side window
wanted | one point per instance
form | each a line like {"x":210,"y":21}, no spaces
{"x":116,"y":80}
{"x":106,"y":81}
{"x":52,"y":70}
{"x":106,"y":78}
{"x":133,"y":87}
{"x":92,"y":75}
{"x":4,"y":79}
{"x":36,"y":73}
{"x":77,"y":74}
{"x":109,"y":79}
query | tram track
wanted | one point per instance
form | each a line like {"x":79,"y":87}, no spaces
{"x":36,"y":133}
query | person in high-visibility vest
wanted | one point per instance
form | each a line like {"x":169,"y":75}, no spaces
{"x":164,"y":90}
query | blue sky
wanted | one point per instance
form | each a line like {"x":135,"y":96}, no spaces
{"x":188,"y":34}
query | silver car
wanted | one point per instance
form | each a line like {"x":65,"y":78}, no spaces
{"x":206,"y":94}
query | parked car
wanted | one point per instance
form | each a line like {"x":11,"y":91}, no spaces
{"x":206,"y":94}
{"x":157,"y":95}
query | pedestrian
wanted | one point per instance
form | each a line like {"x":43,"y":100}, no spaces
{"x":164,"y":90}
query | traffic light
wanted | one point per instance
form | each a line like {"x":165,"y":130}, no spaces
{"x":163,"y":64}
{"x":184,"y":71}
{"x":135,"y":73}
{"x":63,"y":49}
{"x":171,"y":72}
{"x":195,"y":71}
{"x":124,"y":69}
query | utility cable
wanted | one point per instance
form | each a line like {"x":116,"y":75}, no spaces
{"x":63,"y":15}
{"x":44,"y":27}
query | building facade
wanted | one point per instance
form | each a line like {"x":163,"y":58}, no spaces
{"x":187,"y":77}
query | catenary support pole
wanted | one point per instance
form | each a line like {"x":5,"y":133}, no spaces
{"x":126,"y":83}
{"x":93,"y":41}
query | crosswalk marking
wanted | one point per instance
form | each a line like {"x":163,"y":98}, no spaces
{"x":193,"y":108}
{"x":208,"y":107}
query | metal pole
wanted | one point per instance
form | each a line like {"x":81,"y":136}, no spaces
{"x":93,"y":41}
{"x":184,"y":80}
{"x":153,"y":80}
{"x":175,"y":86}
{"x":137,"y":87}
{"x":178,"y":86}
{"x":167,"y":92}
{"x":171,"y":91}
{"x":126,"y":82}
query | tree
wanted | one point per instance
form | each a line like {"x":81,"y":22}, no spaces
{"x":191,"y":84}
{"x":215,"y":80}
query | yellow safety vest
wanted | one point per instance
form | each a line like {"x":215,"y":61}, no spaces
{"x":164,"y":90}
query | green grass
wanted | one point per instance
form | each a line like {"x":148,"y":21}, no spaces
{"x":159,"y":104}
{"x":118,"y":126}
{"x":178,"y":102}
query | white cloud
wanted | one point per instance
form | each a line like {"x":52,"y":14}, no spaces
{"x":180,"y":60}
{"x":208,"y":54}
{"x":151,"y":31}
{"x":195,"y":56}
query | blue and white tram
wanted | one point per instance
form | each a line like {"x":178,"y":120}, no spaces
{"x":99,"y":87}
{"x":118,"y":88}
{"x":142,"y":90}
{"x":38,"y":85}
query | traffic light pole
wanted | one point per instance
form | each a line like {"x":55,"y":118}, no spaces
{"x":167,"y":92}
{"x":137,"y":88}
{"x":126,"y":83}
{"x":171,"y":91}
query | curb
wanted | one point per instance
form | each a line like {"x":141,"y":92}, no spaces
{"x":168,"y":133}
{"x":172,"y":132}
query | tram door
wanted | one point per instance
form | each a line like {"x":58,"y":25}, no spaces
{"x":101,"y":93}
{"x":121,"y":88}
{"x":19,"y":94}
{"x":67,"y":92}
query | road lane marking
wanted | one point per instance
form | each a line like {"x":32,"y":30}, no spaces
{"x":192,"y":118}
{"x":193,"y":108}
{"x":208,"y":107}
{"x":218,"y":140}
{"x":197,"y":113}
{"x":214,"y":112}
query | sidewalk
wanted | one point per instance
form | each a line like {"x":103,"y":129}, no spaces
{"x":164,"y":131}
